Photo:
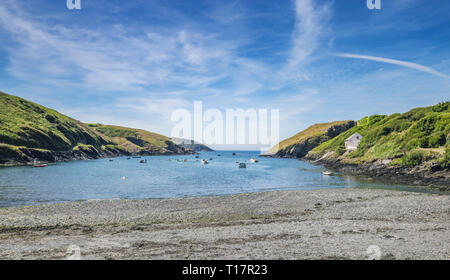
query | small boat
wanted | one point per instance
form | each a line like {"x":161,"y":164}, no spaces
{"x":136,"y":157}
{"x":197,"y":156}
{"x":143,"y":161}
{"x":185,"y":160}
{"x":111,"y":160}
{"x":234,"y":154}
{"x":210,"y":158}
{"x":39,"y":164}
{"x":204,"y":161}
{"x":254,"y":160}
{"x":327,"y":173}
{"x":242,"y":165}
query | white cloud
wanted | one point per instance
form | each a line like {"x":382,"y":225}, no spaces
{"x":396,"y":62}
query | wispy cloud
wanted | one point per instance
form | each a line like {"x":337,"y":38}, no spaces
{"x":117,"y":59}
{"x":133,"y":63}
{"x":396,"y":62}
{"x":310,"y":27}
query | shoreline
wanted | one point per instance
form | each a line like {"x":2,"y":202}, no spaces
{"x":438,"y":180}
{"x":90,"y":157}
{"x":318,"y":224}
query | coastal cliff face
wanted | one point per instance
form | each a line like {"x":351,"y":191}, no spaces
{"x":29,"y":131}
{"x":300,"y":144}
{"x":411,"y":148}
{"x":192,"y":145}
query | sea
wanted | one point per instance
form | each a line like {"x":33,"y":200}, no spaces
{"x":168,"y":177}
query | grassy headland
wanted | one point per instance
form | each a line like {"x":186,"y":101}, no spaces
{"x":30,"y":131}
{"x":413,"y":147}
{"x":419,"y":136}
{"x":303,"y":142}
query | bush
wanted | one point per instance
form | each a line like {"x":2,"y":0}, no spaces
{"x":445,"y":162}
{"x":441,"y":107}
{"x":385,"y":131}
{"x":413,"y":159}
{"x":427,"y":124}
{"x":341,"y":150}
{"x":423,"y":142}
{"x":437,"y":141}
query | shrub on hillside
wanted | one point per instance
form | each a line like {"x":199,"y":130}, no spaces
{"x":413,"y":159}
{"x":445,"y":162}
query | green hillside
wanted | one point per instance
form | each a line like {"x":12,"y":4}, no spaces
{"x":30,"y":131}
{"x":301,"y":143}
{"x":24,"y":123}
{"x":135,"y":140}
{"x":409,"y":139}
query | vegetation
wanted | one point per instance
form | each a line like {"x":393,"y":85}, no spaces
{"x":24,"y":123}
{"x":29,"y":130}
{"x":130,"y":139}
{"x":312,"y":137}
{"x":414,"y":137}
{"x":445,"y":161}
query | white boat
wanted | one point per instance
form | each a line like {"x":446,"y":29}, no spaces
{"x":242,"y":165}
{"x":204,"y":161}
{"x":254,"y":160}
{"x":327,"y":173}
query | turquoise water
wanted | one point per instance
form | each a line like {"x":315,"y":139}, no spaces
{"x":162,"y":177}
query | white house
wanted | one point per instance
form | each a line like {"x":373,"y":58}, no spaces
{"x":352,"y":142}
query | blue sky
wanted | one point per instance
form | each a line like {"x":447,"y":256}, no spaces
{"x":133,"y":62}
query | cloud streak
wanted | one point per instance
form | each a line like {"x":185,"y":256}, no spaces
{"x":395,"y":62}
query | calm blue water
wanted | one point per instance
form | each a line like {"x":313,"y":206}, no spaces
{"x":161,"y":178}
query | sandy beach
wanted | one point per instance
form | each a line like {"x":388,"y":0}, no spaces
{"x":321,"y":224}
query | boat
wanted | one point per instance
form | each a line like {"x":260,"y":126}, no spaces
{"x":254,"y":160}
{"x":39,"y":164}
{"x":197,"y":156}
{"x":143,"y":161}
{"x":234,"y":154}
{"x":242,"y":165}
{"x":327,"y":173}
{"x":204,"y":161}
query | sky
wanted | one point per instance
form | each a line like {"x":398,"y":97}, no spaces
{"x":133,"y":63}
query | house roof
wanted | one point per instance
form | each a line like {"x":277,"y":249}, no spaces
{"x":356,"y":134}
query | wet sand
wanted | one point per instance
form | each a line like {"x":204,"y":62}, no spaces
{"x":321,"y":224}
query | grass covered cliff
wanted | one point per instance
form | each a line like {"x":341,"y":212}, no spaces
{"x":30,"y":131}
{"x":138,"y":141}
{"x":300,"y":144}
{"x":409,"y":139}
{"x":410,"y":148}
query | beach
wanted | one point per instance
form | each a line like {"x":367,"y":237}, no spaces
{"x":345,"y":223}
